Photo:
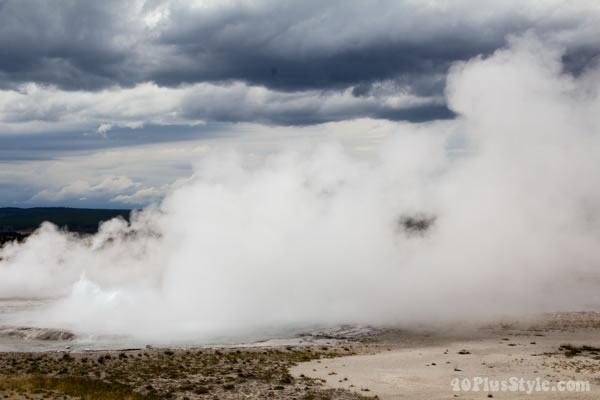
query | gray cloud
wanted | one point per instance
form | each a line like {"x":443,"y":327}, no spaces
{"x":46,"y":109}
{"x":46,"y":169}
{"x":305,"y":45}
{"x":84,"y":77}
{"x":285,"y":46}
{"x":74,"y":45}
{"x":52,"y":145}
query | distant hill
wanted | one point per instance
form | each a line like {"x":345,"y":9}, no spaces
{"x":74,"y":219}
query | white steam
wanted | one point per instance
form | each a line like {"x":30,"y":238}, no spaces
{"x":314,"y":236}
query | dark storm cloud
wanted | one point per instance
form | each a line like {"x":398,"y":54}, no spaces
{"x":308,"y":110}
{"x":81,"y":45}
{"x":308,"y":45}
{"x":288,"y":72}
{"x":282,"y":45}
{"x":287,"y":47}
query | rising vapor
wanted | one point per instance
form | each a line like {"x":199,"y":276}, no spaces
{"x":509,"y":224}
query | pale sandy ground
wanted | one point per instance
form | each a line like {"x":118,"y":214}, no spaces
{"x":404,"y":365}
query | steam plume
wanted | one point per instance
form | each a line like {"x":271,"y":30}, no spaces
{"x":510,"y":224}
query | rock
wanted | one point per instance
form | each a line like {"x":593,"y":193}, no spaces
{"x":55,"y":334}
{"x":27,"y":333}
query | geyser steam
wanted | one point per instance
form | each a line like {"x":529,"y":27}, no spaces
{"x":511,"y":224}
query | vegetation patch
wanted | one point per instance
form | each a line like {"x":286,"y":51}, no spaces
{"x":570,"y":350}
{"x":227,"y":373}
{"x":83,"y":387}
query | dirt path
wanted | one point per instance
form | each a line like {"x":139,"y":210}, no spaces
{"x":401,"y":369}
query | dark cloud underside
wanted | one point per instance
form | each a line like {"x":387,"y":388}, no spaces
{"x":285,"y":46}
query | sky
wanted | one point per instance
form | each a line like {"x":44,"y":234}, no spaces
{"x":113,"y":104}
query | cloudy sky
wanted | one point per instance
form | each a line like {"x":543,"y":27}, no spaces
{"x":110,"y":103}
